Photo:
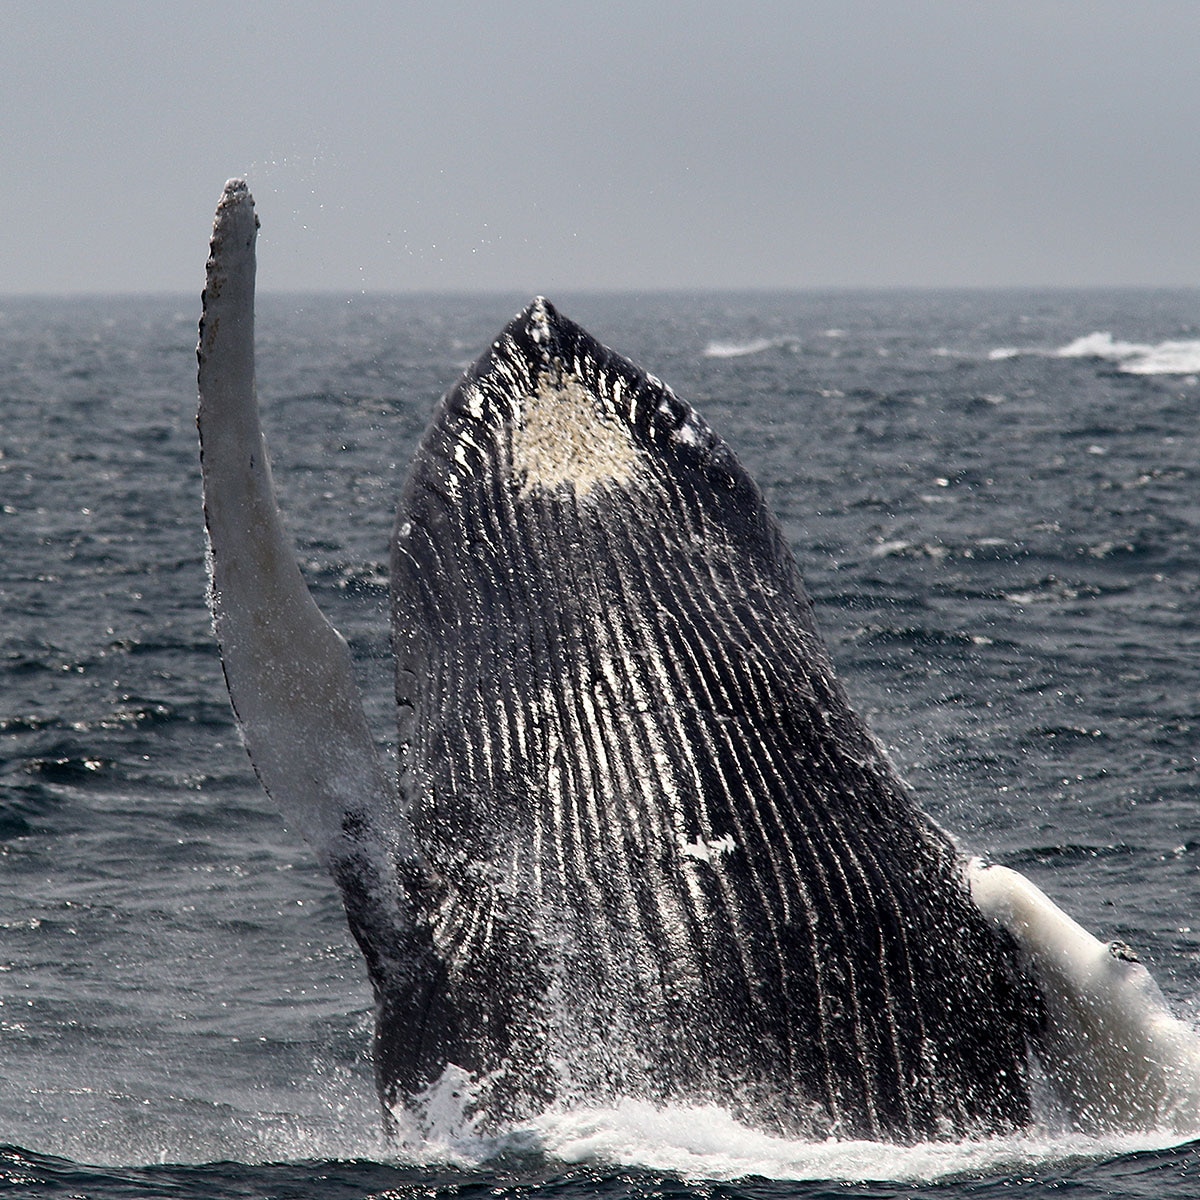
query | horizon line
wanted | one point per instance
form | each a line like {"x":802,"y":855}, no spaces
{"x":678,"y":290}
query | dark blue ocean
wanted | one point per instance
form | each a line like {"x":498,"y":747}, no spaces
{"x":994,"y":498}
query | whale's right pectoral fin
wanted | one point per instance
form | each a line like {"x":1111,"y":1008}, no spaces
{"x":1113,"y":1053}
{"x":288,"y":670}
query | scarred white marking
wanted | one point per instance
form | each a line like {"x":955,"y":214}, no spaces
{"x":707,"y":851}
{"x":564,"y":436}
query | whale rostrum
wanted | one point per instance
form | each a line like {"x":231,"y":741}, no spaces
{"x":640,"y":844}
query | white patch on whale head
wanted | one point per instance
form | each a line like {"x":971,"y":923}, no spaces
{"x":565,"y":434}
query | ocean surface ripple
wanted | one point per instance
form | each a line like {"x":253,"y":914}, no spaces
{"x":994,"y":498}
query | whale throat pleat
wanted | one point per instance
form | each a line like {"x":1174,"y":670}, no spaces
{"x":624,"y":744}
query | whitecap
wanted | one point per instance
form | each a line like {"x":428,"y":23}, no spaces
{"x":1176,"y":357}
{"x":888,"y":549}
{"x":1171,"y":357}
{"x":1101,"y":345}
{"x":1167,"y":358}
{"x":738,"y":349}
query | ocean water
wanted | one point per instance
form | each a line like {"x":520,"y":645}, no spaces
{"x":994,"y":498}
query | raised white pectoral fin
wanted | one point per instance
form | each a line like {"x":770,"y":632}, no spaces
{"x":1116,"y":1057}
{"x":288,"y":670}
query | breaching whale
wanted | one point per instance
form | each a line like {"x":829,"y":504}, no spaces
{"x":640,"y":844}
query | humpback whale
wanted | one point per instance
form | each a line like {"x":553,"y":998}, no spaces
{"x":638,"y":843}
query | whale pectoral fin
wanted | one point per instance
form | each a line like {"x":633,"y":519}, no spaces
{"x":288,"y":670}
{"x":1114,"y":1054}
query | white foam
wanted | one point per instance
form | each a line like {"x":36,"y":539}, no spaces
{"x":1136,"y":358}
{"x":700,"y":1142}
{"x":1167,"y":358}
{"x":737,"y":349}
{"x":1172,"y":357}
{"x":706,"y":1142}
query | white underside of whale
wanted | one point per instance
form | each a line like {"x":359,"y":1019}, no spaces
{"x":1114,"y":1055}
{"x":289,"y":671}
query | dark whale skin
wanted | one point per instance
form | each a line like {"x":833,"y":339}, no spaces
{"x":656,"y":852}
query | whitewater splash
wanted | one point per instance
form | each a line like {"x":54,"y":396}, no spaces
{"x":1175,"y":357}
{"x":698,"y":1143}
{"x":1111,"y":999}
{"x":706,"y":1143}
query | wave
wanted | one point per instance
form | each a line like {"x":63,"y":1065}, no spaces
{"x":744,"y":349}
{"x":1172,"y":357}
{"x":707,"y":1143}
{"x":703,"y":1143}
{"x":1137,"y":358}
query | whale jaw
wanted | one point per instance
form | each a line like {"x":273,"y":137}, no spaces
{"x":666,"y":857}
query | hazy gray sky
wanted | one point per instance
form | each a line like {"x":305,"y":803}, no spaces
{"x":633,"y":144}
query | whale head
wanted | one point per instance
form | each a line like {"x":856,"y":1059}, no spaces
{"x":652,"y":824}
